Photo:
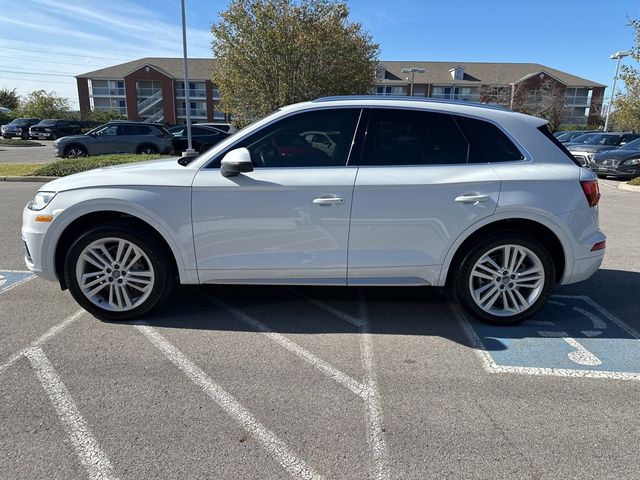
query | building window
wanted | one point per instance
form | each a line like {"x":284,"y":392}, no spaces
{"x":457,"y":73}
{"x":389,"y":90}
{"x":196,"y":90}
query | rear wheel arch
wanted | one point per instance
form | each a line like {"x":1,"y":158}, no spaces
{"x":530,"y":228}
{"x":85,"y":222}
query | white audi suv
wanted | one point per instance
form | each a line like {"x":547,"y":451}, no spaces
{"x":408,"y":192}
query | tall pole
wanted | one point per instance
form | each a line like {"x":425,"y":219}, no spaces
{"x":613,"y":92}
{"x":413,"y":73}
{"x":189,"y":150}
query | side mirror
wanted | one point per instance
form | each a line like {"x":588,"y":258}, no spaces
{"x":236,"y":162}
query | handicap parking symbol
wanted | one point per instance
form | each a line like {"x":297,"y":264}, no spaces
{"x":572,"y":336}
{"x":12,"y":278}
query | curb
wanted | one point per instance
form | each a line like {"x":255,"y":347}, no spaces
{"x":27,"y":179}
{"x":628,"y":188}
{"x":21,"y":146}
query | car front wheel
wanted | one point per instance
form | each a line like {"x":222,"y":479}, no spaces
{"x":505,"y":279}
{"x":115,"y":272}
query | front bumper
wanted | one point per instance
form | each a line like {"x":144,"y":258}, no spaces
{"x":617,"y":171}
{"x":33,"y":236}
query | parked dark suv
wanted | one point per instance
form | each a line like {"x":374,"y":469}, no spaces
{"x":18,"y":128}
{"x":116,"y":137}
{"x":53,"y":128}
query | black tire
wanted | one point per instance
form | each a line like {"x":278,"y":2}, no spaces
{"x":24,"y":135}
{"x":147,"y":149}
{"x":75,"y":151}
{"x":158,"y":255}
{"x":461,"y":279}
{"x":54,"y":136}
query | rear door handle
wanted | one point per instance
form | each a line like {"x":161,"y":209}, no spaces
{"x":326,"y":201}
{"x":472,"y":198}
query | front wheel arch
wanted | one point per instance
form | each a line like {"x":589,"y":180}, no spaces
{"x":90,"y":220}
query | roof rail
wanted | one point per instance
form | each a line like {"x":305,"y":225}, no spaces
{"x":405,"y":98}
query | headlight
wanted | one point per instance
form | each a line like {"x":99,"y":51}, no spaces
{"x":47,"y":129}
{"x":41,"y":200}
{"x":633,"y":161}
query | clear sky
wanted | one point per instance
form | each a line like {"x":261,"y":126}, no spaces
{"x":43,"y":43}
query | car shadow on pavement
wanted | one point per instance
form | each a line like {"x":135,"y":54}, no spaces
{"x":418,"y":311}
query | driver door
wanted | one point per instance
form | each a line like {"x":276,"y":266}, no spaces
{"x":287,"y":221}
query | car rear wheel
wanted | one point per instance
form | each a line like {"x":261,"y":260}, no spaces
{"x":24,"y":135}
{"x":505,"y":279}
{"x":147,"y":149}
{"x":115,"y":272}
{"x":75,"y":151}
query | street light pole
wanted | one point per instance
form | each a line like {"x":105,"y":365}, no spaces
{"x":616,"y":56}
{"x":189,"y":152}
{"x":412,"y":71}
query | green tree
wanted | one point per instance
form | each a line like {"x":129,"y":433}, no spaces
{"x":43,"y":104}
{"x":271,"y":53}
{"x":9,"y":99}
{"x":627,"y":102}
{"x":104,"y":116}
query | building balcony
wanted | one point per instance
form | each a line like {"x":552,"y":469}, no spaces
{"x":197,"y":93}
{"x":194,"y":112}
{"x":107,"y":92}
{"x":122,"y":110}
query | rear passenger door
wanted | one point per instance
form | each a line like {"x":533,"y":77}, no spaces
{"x":131,"y":137}
{"x":416,"y":191}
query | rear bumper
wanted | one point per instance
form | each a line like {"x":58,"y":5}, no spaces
{"x":584,"y":268}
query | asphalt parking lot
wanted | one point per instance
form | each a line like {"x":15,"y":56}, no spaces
{"x":35,"y":154}
{"x":271,"y":382}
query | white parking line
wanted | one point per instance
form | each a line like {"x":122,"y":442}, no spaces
{"x":52,"y":332}
{"x":375,"y":422}
{"x":91,"y":456}
{"x":271,"y":443}
{"x":332,"y":372}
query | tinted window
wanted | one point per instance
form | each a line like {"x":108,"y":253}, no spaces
{"x":47,"y":122}
{"x":629,"y":137}
{"x":409,"y":137}
{"x":133,"y":130}
{"x":200,"y":131}
{"x":489,"y":143}
{"x":283,"y":144}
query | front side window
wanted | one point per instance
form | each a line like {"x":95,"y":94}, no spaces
{"x":411,"y":137}
{"x":108,"y":131}
{"x":285,"y":144}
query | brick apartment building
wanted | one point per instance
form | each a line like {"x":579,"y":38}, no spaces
{"x":152,"y":89}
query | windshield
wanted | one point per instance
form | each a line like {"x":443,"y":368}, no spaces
{"x":47,"y":122}
{"x":603,"y":139}
{"x":635,"y":145}
{"x":563,"y":136}
{"x":20,"y":121}
{"x":583,"y":138}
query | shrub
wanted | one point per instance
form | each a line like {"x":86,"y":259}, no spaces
{"x":70,"y":166}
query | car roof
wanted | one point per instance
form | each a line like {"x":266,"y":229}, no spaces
{"x":492,"y":112}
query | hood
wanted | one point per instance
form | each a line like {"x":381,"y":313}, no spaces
{"x":583,"y":147}
{"x":619,"y":154}
{"x":165,"y":172}
{"x":71,"y":138}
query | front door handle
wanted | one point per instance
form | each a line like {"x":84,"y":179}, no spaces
{"x":472,"y":198}
{"x":326,"y":201}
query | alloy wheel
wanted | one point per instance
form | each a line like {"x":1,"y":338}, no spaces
{"x":507,"y":280}
{"x":115,"y":274}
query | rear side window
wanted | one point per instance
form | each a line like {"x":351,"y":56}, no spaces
{"x":133,"y":130}
{"x":490,"y":144}
{"x":545,"y":131}
{"x":410,"y":137}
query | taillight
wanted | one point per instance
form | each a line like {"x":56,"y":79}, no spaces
{"x":591,"y":191}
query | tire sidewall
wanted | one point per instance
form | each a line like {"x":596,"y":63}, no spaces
{"x":162,"y":270}
{"x":461,"y":288}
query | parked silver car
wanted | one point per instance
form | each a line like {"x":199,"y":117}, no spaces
{"x":116,"y":137}
{"x":479,"y":199}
